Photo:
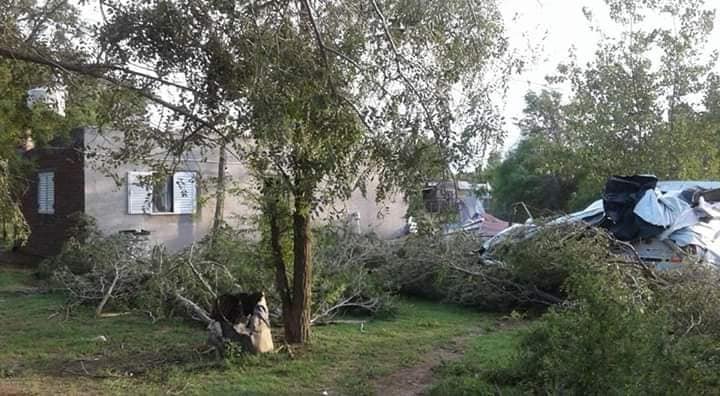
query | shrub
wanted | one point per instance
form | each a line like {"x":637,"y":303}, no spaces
{"x":599,"y":343}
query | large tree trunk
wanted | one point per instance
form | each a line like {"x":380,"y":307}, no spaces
{"x":297,"y":320}
{"x":295,"y":296}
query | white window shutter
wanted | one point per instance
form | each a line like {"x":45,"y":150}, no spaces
{"x":46,"y":192}
{"x":139,"y":195}
{"x":184,"y":192}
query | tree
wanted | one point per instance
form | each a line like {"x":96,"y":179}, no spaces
{"x":42,"y":27}
{"x":318,"y":97}
{"x":631,"y":110}
{"x":524,"y":176}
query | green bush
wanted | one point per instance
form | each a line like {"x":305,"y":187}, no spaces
{"x":623,"y":331}
{"x":600,"y":344}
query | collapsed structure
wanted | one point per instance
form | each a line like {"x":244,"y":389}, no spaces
{"x":665,"y":221}
{"x":469,"y":200}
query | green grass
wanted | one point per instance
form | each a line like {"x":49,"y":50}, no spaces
{"x":485,"y":368}
{"x":11,"y":278}
{"x":42,"y":351}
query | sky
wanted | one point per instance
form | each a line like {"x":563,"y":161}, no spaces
{"x":543,"y":31}
{"x":547,"y":29}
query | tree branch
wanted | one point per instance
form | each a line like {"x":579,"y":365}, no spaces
{"x":398,"y":64}
{"x":97,"y":71}
{"x":201,"y":313}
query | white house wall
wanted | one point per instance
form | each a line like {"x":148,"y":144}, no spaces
{"x":107,"y":202}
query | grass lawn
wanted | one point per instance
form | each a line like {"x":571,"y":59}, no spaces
{"x":43,"y":352}
{"x":481,"y":369}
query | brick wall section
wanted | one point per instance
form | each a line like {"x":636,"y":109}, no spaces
{"x":49,"y":231}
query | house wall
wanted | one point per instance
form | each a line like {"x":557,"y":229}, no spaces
{"x":48,"y":231}
{"x":106,"y":201}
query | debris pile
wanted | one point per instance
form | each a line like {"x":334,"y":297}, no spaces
{"x":664,"y":221}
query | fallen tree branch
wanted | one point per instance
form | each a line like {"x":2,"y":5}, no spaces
{"x":544,"y":297}
{"x":200,"y":313}
{"x":108,"y":293}
{"x":199,"y":276}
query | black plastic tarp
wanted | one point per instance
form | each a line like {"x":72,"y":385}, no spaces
{"x":620,"y":196}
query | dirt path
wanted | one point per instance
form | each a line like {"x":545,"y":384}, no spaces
{"x":416,"y":380}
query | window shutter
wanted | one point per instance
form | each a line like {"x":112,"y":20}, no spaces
{"x":184,"y":192}
{"x":139,"y":195}
{"x":46,"y":192}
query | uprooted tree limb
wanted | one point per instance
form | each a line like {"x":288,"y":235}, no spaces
{"x":529,"y":268}
{"x":199,"y":312}
{"x":510,"y":288}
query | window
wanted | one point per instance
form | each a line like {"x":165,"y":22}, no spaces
{"x":46,"y":192}
{"x":162,"y":196}
{"x":177,"y":194}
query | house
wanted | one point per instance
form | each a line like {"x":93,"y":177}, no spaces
{"x":71,"y":178}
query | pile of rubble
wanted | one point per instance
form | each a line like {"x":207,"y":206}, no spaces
{"x":665,"y":221}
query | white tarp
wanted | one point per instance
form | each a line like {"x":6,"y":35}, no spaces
{"x":684,"y":225}
{"x":471,"y":208}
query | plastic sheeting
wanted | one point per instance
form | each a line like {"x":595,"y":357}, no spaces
{"x":471,"y":208}
{"x":660,"y":209}
{"x":681,"y":216}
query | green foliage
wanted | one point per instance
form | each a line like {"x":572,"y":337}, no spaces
{"x":14,"y":227}
{"x":526,"y":176}
{"x":631,"y":110}
{"x":624,"y":331}
{"x":320,"y":96}
{"x":228,"y":262}
{"x":326,"y":91}
{"x":604,"y":342}
{"x":528,"y":271}
{"x":348,"y":273}
{"x":101,"y":269}
{"x":47,"y":27}
{"x":689,"y":299}
{"x":613,"y":328}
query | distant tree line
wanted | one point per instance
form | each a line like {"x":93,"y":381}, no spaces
{"x":648,"y":102}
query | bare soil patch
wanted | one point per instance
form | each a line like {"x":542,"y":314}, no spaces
{"x":416,"y":380}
